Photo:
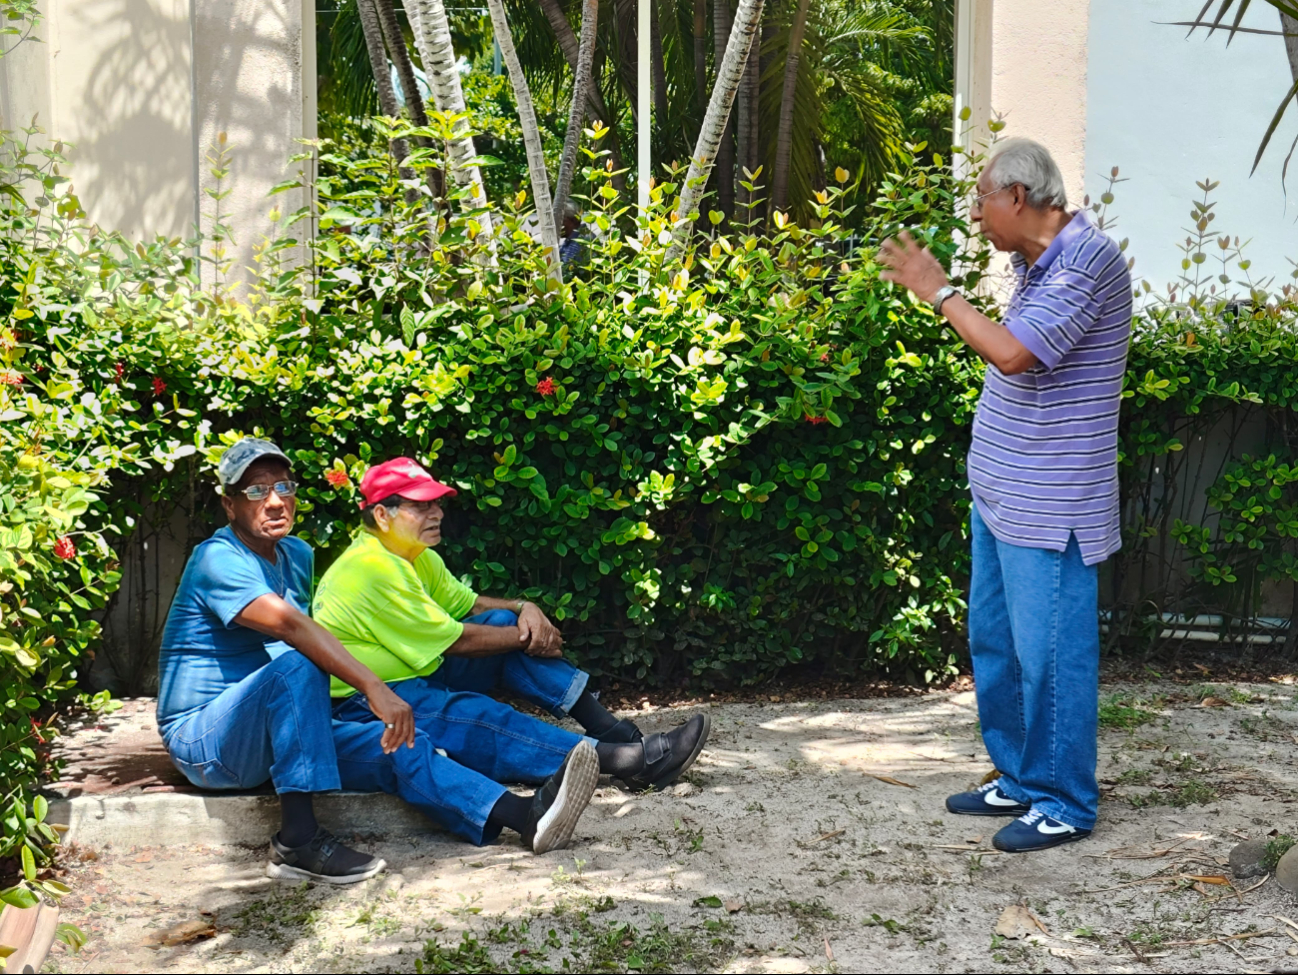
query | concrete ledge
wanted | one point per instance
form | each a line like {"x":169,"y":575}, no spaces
{"x":213,"y":819}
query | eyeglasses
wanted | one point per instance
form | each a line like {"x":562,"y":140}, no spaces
{"x":419,"y":507}
{"x":260,"y":492}
{"x":978,"y":200}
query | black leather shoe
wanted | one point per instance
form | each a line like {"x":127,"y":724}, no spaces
{"x":669,"y":754}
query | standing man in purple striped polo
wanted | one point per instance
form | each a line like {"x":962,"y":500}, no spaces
{"x":1043,"y":470}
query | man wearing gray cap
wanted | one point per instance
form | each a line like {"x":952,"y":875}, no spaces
{"x":244,"y":671}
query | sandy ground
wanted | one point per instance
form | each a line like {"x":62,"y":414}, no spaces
{"x":809,"y":837}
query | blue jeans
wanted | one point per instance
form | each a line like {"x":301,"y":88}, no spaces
{"x":486,"y":743}
{"x":1034,"y":635}
{"x":554,"y":685}
{"x":272,"y":725}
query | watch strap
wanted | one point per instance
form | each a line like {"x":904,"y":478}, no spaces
{"x":943,"y":293}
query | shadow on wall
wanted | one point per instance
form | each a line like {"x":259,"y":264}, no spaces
{"x":133,"y":133}
{"x":145,"y":124}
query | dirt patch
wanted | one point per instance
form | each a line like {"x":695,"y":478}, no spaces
{"x":810,"y":837}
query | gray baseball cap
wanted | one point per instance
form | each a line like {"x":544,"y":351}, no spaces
{"x":239,"y":457}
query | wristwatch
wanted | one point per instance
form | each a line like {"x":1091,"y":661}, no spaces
{"x":943,"y":293}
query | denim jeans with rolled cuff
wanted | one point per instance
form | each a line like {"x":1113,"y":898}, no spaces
{"x":1034,"y":635}
{"x":552,"y":684}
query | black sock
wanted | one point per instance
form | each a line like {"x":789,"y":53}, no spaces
{"x":591,"y":715}
{"x":511,"y":811}
{"x":297,"y":819}
{"x":620,"y":760}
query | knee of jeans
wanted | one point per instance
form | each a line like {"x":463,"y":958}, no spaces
{"x":499,"y":617}
{"x":300,"y":670}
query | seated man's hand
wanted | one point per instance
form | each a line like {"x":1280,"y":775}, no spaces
{"x":540,"y":637}
{"x":397,"y":717}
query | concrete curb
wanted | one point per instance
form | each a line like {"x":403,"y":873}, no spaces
{"x":179,"y":819}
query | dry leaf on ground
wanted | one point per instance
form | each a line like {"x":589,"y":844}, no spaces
{"x":178,"y":934}
{"x":1017,"y":922}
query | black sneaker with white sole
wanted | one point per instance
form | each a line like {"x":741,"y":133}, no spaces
{"x":323,"y":860}
{"x":559,"y":803}
{"x":986,"y":800}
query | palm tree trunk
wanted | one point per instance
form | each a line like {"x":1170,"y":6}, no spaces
{"x":749,"y":114}
{"x":1290,"y":27}
{"x":624,"y":22}
{"x":748,"y":19}
{"x":725,"y":169}
{"x":784,"y":141}
{"x":531,"y":137}
{"x":433,"y":38}
{"x":658,"y":67}
{"x":581,"y":84}
{"x":400,"y":55}
{"x":369,"y":17}
{"x":595,"y":107}
{"x":701,"y":53}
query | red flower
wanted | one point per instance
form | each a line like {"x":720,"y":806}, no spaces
{"x":825,"y":357}
{"x":159,"y":387}
{"x":11,"y":378}
{"x":546,"y":387}
{"x":120,"y":369}
{"x":36,"y":730}
{"x":336,"y":477}
{"x":816,"y":420}
{"x":65,"y":548}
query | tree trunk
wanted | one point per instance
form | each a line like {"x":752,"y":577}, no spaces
{"x":1290,"y":27}
{"x":580,"y":86}
{"x":433,"y":38}
{"x":749,"y":115}
{"x":784,"y":141}
{"x":595,"y":107}
{"x":400,"y":55}
{"x":624,"y":22}
{"x":701,"y":53}
{"x":658,"y":67}
{"x":725,"y":168}
{"x":531,"y":137}
{"x":369,"y":17}
{"x":748,"y":19}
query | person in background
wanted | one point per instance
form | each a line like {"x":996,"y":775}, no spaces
{"x":1043,"y":470}
{"x":244,"y":696}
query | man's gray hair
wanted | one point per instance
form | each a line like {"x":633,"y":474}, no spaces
{"x":1030,"y":165}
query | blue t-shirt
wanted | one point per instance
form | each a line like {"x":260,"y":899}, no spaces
{"x":203,"y":650}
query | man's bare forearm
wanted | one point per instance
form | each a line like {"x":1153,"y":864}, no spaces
{"x":991,"y":340}
{"x":484,"y":641}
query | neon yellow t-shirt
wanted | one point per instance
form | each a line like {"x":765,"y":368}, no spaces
{"x":394,"y":617}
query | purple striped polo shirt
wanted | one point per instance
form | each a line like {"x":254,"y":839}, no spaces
{"x":1044,"y":461}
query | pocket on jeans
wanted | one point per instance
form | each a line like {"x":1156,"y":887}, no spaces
{"x":207,"y":775}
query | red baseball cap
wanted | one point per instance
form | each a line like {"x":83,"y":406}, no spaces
{"x":405,"y":477}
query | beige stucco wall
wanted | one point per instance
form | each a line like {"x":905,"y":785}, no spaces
{"x":141,"y":89}
{"x":1038,"y":78}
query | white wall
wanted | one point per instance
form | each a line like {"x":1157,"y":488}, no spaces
{"x":142,"y":88}
{"x":1171,"y":111}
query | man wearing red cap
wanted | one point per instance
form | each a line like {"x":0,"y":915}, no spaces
{"x":441,"y":647}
